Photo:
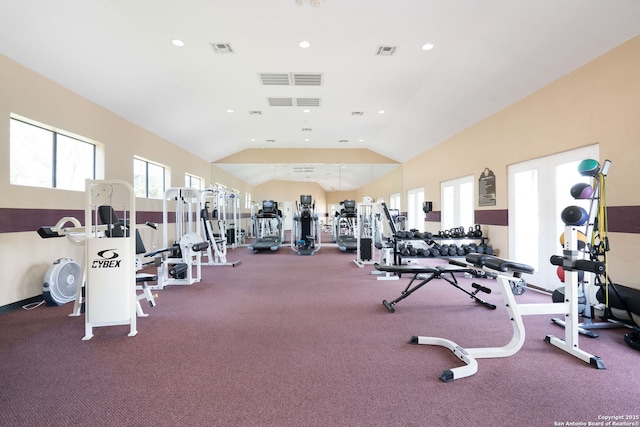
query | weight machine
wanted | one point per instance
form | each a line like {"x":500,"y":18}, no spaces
{"x":182,"y":259}
{"x":306,"y":234}
{"x":216,"y":198}
{"x":368,"y":232}
{"x":72,"y":229}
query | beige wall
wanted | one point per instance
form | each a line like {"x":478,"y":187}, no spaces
{"x":383,"y":187}
{"x":597,"y":103}
{"x":29,"y":95}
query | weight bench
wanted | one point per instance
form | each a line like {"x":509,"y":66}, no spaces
{"x":509,"y":271}
{"x":425,"y":274}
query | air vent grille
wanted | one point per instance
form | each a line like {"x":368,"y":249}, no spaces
{"x":303,"y":169}
{"x":357,"y":113}
{"x":343,"y":140}
{"x":386,"y":50}
{"x":307,"y":79}
{"x":290,"y":102}
{"x":280,"y":102}
{"x":221,"y":47}
{"x":306,"y":129}
{"x":308,"y":102}
{"x":275,"y":79}
{"x":255,"y":113}
{"x":291,"y":79}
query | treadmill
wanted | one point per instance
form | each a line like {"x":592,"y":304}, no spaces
{"x":345,"y":227}
{"x":268,"y":228}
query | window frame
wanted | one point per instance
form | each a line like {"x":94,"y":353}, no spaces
{"x":415,"y":215}
{"x":146,"y":183}
{"x":191,"y":177}
{"x":455,"y":185}
{"x":53,"y":147}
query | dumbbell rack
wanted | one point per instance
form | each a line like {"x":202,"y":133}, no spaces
{"x":397,"y":256}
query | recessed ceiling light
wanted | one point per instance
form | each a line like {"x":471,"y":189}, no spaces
{"x":361,"y":140}
{"x":427,"y":46}
{"x":177,"y":42}
{"x":252,"y":139}
{"x":381,"y":112}
{"x":306,"y":139}
{"x":229,"y":111}
{"x":306,"y":110}
{"x":304,"y":44}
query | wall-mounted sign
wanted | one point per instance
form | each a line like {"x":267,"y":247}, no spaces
{"x":487,"y":188}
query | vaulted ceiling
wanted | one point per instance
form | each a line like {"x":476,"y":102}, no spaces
{"x":396,"y":77}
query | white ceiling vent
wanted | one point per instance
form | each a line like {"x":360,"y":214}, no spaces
{"x":280,"y":102}
{"x":275,"y":79}
{"x":303,"y":169}
{"x":307,"y":79}
{"x":291,"y":79}
{"x":255,"y":113}
{"x":357,"y":113}
{"x":386,"y":50}
{"x":343,"y":140}
{"x":306,"y":129}
{"x":308,"y":102}
{"x":221,"y":47}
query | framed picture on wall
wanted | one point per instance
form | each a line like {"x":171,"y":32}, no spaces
{"x":487,"y":188}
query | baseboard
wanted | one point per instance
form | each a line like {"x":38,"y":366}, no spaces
{"x":19,"y":304}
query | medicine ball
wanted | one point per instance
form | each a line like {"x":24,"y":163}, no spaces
{"x":582,"y":240}
{"x":574,"y":215}
{"x":589,"y":167}
{"x":581,"y":191}
{"x":558,"y":296}
{"x":560,"y":273}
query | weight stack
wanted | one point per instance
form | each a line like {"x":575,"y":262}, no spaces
{"x":231,"y":236}
{"x":365,"y":249}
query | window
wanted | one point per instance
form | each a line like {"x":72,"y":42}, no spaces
{"x":415,"y":215}
{"x":148,"y":179}
{"x":394,"y":201}
{"x":247,"y":200}
{"x":457,"y":203}
{"x":539,"y":190}
{"x":191,"y":181}
{"x":40,"y":157}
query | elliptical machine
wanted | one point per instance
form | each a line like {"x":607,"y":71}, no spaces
{"x":306,"y":228}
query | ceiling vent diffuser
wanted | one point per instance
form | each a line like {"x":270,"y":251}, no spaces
{"x":386,"y":50}
{"x":275,"y":79}
{"x":307,"y":79}
{"x":291,"y":79}
{"x":280,"y":102}
{"x":303,"y":169}
{"x":308,"y":102}
{"x":221,"y":47}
